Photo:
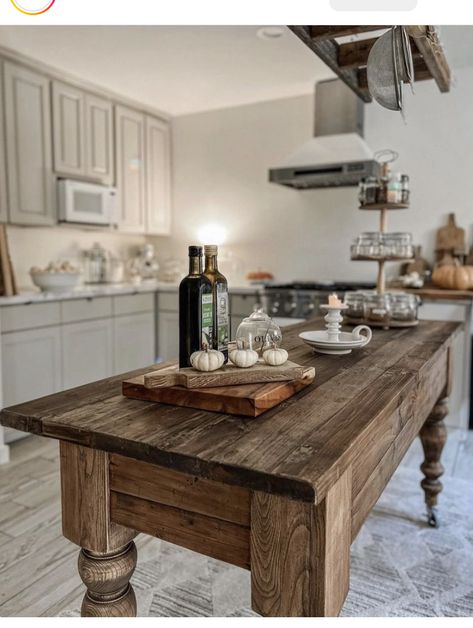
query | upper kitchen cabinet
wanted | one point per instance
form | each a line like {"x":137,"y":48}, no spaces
{"x":82,"y":134}
{"x":130,"y":160}
{"x":3,"y":172}
{"x":31,"y":194}
{"x":99,"y":139}
{"x":68,"y":130}
{"x":158,"y":177}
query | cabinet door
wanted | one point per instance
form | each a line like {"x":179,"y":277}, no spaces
{"x":3,"y":163}
{"x":134,"y":342}
{"x":99,"y":139}
{"x":130,"y":170}
{"x":31,"y":364}
{"x":28,"y":141}
{"x":168,"y":335}
{"x":158,"y":177}
{"x":87,"y":352}
{"x":68,"y":130}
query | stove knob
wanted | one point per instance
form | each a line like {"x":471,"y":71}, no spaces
{"x":275,"y":308}
{"x":293,"y":305}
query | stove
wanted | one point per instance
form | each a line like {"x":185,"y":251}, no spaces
{"x":299,"y":300}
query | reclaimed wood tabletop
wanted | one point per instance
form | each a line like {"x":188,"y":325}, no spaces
{"x":297,"y":481}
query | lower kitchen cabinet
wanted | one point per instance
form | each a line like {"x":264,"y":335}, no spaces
{"x":49,"y":347}
{"x":134,"y":341}
{"x":31,"y":363}
{"x":168,"y":335}
{"x":87,"y":351}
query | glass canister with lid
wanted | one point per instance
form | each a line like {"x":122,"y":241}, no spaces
{"x":368,"y":244}
{"x":355,"y":302}
{"x":398,"y":244}
{"x":258,"y":332}
{"x":404,"y":306}
{"x":377,"y":308}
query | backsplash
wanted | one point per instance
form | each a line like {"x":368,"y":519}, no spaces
{"x":37,"y":246}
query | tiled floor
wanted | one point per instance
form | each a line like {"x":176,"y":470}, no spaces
{"x":38,"y":574}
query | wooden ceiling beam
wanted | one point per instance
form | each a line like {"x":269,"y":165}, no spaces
{"x":321,"y":33}
{"x":428,"y":43}
{"x":355,"y":54}
{"x":347,"y":60}
{"x":327,"y":50}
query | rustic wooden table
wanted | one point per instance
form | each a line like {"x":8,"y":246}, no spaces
{"x":283,"y":495}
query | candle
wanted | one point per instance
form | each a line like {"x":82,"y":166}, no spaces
{"x":334,"y":301}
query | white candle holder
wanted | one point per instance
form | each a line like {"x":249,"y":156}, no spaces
{"x":333,"y":320}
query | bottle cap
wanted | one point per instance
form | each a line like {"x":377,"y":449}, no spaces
{"x":195,"y":251}
{"x":211,"y":249}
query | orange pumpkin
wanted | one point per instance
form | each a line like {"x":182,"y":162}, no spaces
{"x":453,"y":277}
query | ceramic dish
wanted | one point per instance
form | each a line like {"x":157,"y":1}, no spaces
{"x":318,"y":340}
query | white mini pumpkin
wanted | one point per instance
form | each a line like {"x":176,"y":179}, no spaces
{"x":275,"y":356}
{"x":207,"y":360}
{"x":243,"y":358}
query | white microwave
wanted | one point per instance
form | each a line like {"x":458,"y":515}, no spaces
{"x":87,"y":203}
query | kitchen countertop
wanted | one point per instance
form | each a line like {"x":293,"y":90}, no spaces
{"x":105,"y":290}
{"x":441,"y":294}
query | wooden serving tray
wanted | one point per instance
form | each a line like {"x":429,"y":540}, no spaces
{"x":249,"y":400}
{"x":228,"y":375}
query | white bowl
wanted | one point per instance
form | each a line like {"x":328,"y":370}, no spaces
{"x":55,"y":282}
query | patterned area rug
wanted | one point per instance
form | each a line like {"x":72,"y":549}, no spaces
{"x":399,"y":566}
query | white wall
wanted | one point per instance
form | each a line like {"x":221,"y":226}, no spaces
{"x":221,"y":159}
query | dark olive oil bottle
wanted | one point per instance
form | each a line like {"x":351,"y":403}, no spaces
{"x":221,"y":317}
{"x":196,"y":309}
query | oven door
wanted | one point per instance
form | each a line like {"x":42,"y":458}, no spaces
{"x":86,"y":203}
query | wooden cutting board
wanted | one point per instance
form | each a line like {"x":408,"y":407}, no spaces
{"x":250,"y":400}
{"x":228,"y":375}
{"x":450,"y":239}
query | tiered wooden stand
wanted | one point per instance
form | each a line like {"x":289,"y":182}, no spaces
{"x":383,"y":208}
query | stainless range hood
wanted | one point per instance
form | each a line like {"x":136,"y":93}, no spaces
{"x":338,"y":155}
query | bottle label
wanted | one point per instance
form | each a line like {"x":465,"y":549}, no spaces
{"x":222,"y":318}
{"x":207,"y":320}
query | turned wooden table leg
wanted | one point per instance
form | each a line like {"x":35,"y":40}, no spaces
{"x":433,"y":436}
{"x":107,"y":578}
{"x":300,"y":553}
{"x":108,"y":555}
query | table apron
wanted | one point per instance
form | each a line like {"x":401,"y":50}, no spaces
{"x":377,"y":462}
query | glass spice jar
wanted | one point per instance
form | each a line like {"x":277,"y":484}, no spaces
{"x":370,"y":190}
{"x":405,"y":191}
{"x":394,"y":192}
